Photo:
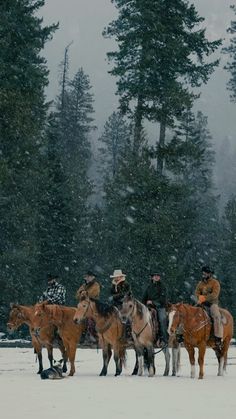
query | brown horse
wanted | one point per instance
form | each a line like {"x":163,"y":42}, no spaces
{"x":47,"y":337}
{"x":196,"y":326}
{"x":61,"y":317}
{"x":109,"y":327}
{"x":144,"y":336}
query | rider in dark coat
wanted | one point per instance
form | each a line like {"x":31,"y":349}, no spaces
{"x":155,"y":296}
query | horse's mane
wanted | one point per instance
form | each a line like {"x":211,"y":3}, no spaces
{"x":104,"y":309}
{"x":139,"y":307}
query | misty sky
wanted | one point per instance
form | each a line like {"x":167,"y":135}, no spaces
{"x":83,"y":21}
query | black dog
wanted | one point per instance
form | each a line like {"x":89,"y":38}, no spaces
{"x":54,"y":373}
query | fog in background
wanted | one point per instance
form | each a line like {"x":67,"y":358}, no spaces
{"x":83,"y":21}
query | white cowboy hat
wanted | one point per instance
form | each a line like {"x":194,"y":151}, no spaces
{"x":116,"y":273}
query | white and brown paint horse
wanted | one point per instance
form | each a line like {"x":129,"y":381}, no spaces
{"x":144,"y":337}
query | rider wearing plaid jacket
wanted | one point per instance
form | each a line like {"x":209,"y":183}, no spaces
{"x":55,"y":292}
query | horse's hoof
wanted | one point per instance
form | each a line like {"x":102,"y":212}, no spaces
{"x":200,"y":377}
{"x":71,"y":374}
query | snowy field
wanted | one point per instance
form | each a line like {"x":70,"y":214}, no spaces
{"x":87,"y":396}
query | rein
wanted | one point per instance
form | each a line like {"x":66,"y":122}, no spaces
{"x":203,"y":323}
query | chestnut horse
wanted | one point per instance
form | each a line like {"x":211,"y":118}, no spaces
{"x":196,"y":326}
{"x":61,"y":317}
{"x":19,"y":315}
{"x":144,"y":337}
{"x":109,"y":327}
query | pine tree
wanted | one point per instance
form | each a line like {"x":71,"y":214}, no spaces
{"x":231,"y":65}
{"x":114,"y":140}
{"x":24,"y":76}
{"x":161,"y":55}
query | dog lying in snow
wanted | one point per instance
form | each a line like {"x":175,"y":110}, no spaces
{"x":54,"y":373}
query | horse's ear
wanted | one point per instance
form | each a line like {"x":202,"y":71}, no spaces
{"x":83,"y":296}
{"x":168,"y":306}
{"x":13,"y":305}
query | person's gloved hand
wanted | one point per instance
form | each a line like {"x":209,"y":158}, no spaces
{"x":201,"y":299}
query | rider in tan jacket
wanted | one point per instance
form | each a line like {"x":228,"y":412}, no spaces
{"x":207,"y":293}
{"x":90,"y":286}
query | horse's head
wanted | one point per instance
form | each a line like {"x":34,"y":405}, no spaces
{"x":40,"y":318}
{"x":84,"y":310}
{"x":128,"y":306}
{"x":175,"y":318}
{"x":16,"y":318}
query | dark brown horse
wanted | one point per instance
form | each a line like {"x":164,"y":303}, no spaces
{"x":196,"y":326}
{"x":62,"y":318}
{"x":109,"y":327}
{"x":144,"y":336}
{"x":47,"y":337}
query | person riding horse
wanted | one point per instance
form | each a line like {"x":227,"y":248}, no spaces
{"x":90,"y":288}
{"x":155,"y":296}
{"x":207,"y":293}
{"x":55,"y":292}
{"x":120,"y":287}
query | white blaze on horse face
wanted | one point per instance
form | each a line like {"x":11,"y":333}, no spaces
{"x":171,"y":317}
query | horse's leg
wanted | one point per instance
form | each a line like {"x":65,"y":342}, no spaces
{"x":150,"y":356}
{"x":175,"y":360}
{"x":50,"y":354}
{"x":201,"y":355}
{"x":106,"y":353}
{"x":117,"y":360}
{"x":139,"y":350}
{"x":167,"y":359}
{"x":64,"y":355}
{"x":38,"y":350}
{"x":191,"y":354}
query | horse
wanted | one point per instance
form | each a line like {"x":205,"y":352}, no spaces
{"x":62,"y":317}
{"x":144,"y":337}
{"x":109,"y":327}
{"x":196,"y":326}
{"x":19,"y":315}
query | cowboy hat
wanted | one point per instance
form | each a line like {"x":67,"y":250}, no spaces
{"x":116,"y":273}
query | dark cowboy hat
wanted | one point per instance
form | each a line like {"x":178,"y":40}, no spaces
{"x":50,"y":277}
{"x":90,"y":273}
{"x":207,"y":269}
{"x":153,"y":273}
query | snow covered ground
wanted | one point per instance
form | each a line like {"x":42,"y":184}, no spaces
{"x":86,"y":395}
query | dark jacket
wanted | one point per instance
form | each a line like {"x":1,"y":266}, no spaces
{"x":156,"y":292}
{"x":119,"y":291}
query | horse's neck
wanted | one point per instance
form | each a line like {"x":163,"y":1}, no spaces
{"x":27,"y":313}
{"x":192,"y":314}
{"x":137,"y":320}
{"x":66,"y":312}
